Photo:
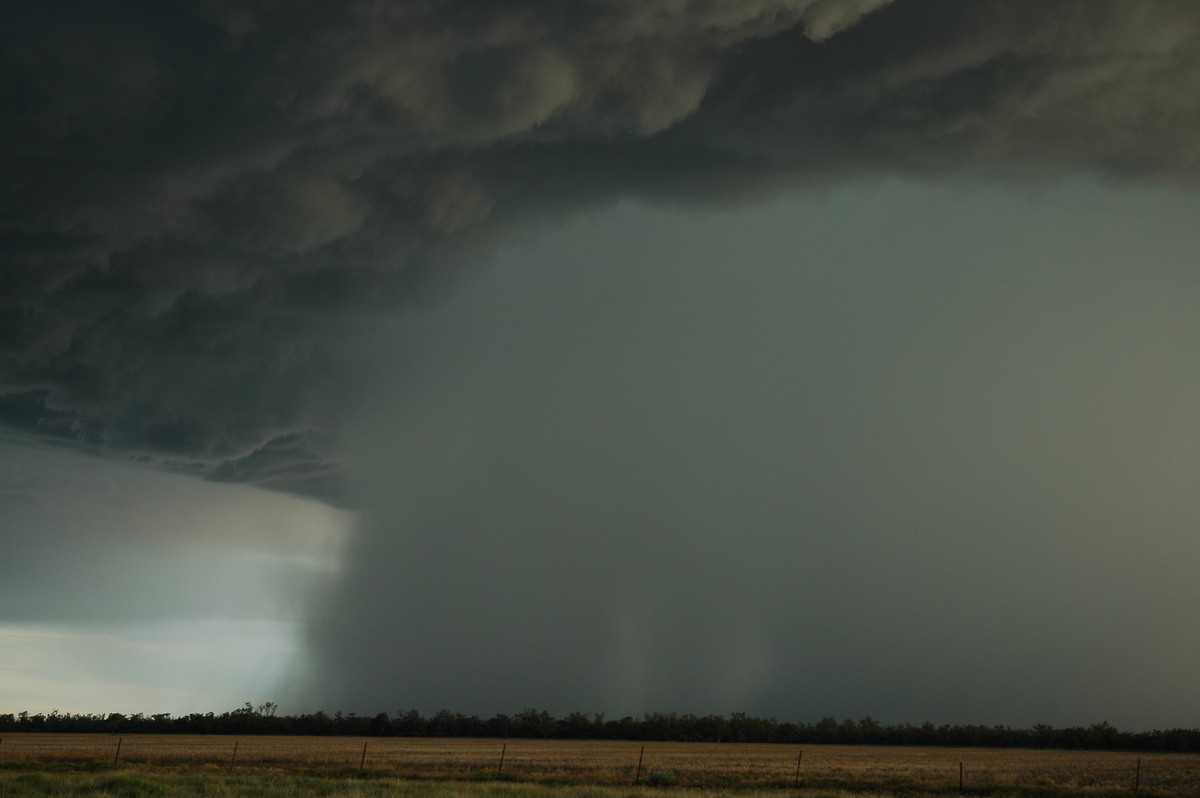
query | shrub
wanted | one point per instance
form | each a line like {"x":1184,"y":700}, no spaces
{"x":130,"y":787}
{"x":661,"y":778}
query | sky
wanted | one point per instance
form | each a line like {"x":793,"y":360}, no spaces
{"x":801,"y":358}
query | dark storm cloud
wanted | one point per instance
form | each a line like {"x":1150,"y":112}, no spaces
{"x":203,"y":202}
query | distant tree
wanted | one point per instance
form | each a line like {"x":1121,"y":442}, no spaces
{"x":500,"y":726}
{"x":827,"y":730}
{"x":381,"y":725}
{"x":579,"y":726}
{"x":410,"y":724}
{"x":869,"y":730}
{"x":535,"y":723}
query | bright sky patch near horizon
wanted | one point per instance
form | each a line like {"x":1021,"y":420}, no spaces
{"x":797,"y":358}
{"x":138,"y":591}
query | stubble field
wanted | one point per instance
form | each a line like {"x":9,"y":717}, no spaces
{"x":364,"y":765}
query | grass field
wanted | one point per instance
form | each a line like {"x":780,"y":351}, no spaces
{"x":593,"y":769}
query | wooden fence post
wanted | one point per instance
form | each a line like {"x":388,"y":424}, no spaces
{"x":234,"y":757}
{"x":500,"y":769}
{"x":960,"y":777}
{"x":117,"y":756}
{"x":1137,"y":776}
{"x":799,"y":756}
{"x":637,"y":777}
{"x":363,"y":762}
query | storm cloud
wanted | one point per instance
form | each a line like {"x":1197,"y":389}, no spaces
{"x":198,"y":198}
{"x":237,"y":240}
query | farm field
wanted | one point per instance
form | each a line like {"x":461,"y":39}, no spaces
{"x":574,"y":766}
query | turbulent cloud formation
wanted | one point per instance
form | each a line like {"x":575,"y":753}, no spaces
{"x":211,"y":211}
{"x":199,"y":199}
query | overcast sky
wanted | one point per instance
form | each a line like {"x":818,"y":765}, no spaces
{"x":798,"y":358}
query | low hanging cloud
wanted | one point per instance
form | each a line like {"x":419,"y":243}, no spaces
{"x":202,"y":202}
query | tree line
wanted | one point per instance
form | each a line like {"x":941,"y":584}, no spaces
{"x":657,"y":726}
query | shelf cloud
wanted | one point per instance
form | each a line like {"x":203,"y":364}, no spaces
{"x":199,"y":199}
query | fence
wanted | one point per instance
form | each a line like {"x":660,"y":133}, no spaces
{"x":656,"y":764}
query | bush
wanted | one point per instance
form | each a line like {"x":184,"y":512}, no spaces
{"x":130,"y":787}
{"x":661,"y":778}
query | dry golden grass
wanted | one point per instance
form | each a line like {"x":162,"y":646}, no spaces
{"x":614,"y":763}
